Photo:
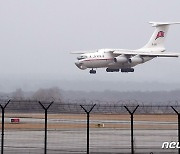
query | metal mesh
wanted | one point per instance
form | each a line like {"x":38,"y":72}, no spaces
{"x":109,"y":127}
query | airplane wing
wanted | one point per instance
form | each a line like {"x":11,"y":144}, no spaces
{"x":77,"y":52}
{"x":149,"y":54}
{"x":83,"y":52}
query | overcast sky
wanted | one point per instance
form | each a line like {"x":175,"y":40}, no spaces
{"x":36,"y":37}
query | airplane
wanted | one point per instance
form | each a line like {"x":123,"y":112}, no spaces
{"x":115,"y":60}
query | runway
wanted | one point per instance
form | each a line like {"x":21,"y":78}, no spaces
{"x":77,"y":121}
{"x":67,"y":134}
{"x":111,"y":141}
{"x":68,"y":121}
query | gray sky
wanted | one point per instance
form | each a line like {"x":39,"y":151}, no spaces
{"x":36,"y":37}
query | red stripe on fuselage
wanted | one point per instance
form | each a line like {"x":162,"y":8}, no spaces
{"x":97,"y":59}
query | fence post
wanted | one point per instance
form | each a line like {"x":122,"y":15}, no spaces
{"x":132,"y":127}
{"x":88,"y":115}
{"x":2,"y":127}
{"x":178,"y":126}
{"x":45,"y":127}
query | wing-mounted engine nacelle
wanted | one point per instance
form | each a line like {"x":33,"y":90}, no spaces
{"x":121,"y":59}
{"x":136,"y":59}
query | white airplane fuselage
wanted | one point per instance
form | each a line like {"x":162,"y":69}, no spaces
{"x":102,"y":58}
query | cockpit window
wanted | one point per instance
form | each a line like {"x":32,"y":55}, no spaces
{"x":81,"y":57}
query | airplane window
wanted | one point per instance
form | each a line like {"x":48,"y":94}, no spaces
{"x":81,"y":57}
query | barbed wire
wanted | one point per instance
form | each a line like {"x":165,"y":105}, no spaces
{"x":102,"y":107}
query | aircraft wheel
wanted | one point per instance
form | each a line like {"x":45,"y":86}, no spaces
{"x":92,"y":71}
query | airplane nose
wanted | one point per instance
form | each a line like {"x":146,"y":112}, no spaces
{"x":80,"y":65}
{"x":77,"y":63}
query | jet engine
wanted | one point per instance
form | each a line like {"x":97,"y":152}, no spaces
{"x":121,"y":59}
{"x":136,"y":59}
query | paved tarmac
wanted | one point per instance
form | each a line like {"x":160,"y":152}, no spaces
{"x":102,"y":141}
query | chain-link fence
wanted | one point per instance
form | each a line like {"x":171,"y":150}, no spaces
{"x":30,"y":127}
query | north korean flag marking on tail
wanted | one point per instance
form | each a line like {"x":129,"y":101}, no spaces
{"x":159,"y":34}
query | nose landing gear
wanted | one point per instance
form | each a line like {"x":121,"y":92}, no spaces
{"x":92,"y":71}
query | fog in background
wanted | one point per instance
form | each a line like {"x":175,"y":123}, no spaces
{"x":36,"y":38}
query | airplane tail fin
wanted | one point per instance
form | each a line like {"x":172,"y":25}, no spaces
{"x":158,"y":37}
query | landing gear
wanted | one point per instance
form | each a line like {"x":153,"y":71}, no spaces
{"x":112,"y":70}
{"x":92,"y":71}
{"x":122,"y":70}
{"x":127,"y":70}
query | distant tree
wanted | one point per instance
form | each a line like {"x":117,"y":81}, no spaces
{"x":51,"y":94}
{"x":18,"y":94}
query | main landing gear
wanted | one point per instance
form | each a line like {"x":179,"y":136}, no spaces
{"x":127,"y":70}
{"x":123,"y":70}
{"x":112,"y":70}
{"x":92,"y":71}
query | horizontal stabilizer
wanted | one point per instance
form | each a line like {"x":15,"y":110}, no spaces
{"x":156,"y":24}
